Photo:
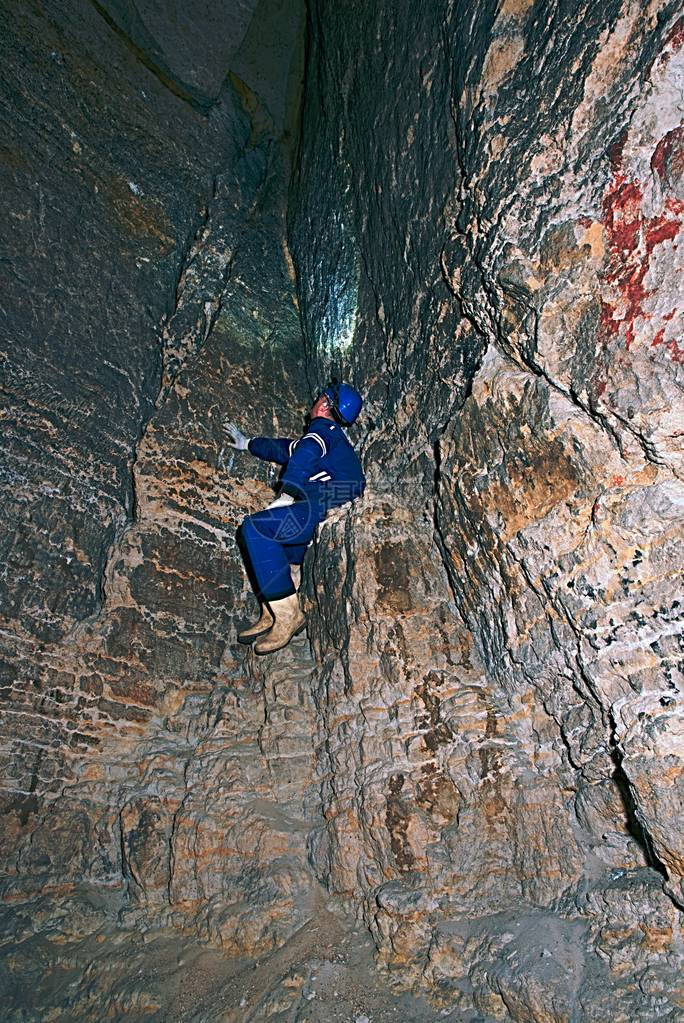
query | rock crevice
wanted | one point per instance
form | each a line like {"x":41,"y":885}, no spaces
{"x":475,"y":757}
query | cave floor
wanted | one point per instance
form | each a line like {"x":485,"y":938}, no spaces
{"x":325,"y":973}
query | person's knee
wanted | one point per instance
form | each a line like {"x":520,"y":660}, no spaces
{"x":245,"y":531}
{"x":254,"y":532}
{"x":247,"y":524}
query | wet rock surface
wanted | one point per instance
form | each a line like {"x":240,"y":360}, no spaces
{"x":134,"y":727}
{"x":501,"y":705}
{"x":475,"y":755}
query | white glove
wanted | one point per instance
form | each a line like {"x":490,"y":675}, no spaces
{"x":280,"y":502}
{"x":235,"y":437}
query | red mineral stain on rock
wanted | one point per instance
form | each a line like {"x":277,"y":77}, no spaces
{"x":139,"y":218}
{"x":608,"y":321}
{"x":676,"y":36}
{"x":622,"y":214}
{"x":668,"y":158}
{"x":615,"y":151}
{"x":631,"y":238}
{"x":675,"y":350}
{"x":661,"y":229}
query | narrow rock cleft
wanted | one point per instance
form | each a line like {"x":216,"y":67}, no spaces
{"x":551,"y":491}
{"x":459,"y":794}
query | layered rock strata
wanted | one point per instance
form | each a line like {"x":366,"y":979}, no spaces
{"x":478,"y":747}
{"x":500,"y":743}
{"x":150,"y":295}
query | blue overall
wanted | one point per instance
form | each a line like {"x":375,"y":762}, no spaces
{"x":322,"y":471}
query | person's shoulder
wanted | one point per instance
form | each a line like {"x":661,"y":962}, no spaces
{"x":324,"y":427}
{"x":328,"y":433}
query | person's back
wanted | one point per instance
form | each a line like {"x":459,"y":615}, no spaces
{"x":337,"y":476}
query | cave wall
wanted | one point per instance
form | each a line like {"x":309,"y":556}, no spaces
{"x":148,"y":295}
{"x":478,"y":748}
{"x":494,"y":198}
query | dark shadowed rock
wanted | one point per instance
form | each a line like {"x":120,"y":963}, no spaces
{"x":477,"y":750}
{"x":494,"y":265}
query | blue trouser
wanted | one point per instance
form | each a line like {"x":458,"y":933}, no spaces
{"x":271,"y":541}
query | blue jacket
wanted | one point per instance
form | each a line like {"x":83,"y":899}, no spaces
{"x":321,"y":466}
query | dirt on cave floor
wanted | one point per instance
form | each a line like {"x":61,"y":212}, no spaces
{"x":325,"y":973}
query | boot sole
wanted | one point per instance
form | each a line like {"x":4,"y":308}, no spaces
{"x":246,"y":640}
{"x":262,"y":653}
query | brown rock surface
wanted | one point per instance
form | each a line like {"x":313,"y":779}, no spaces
{"x":141,"y":752}
{"x":477,"y":750}
{"x":501,"y":748}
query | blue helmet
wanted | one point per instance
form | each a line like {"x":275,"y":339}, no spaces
{"x":345,"y":400}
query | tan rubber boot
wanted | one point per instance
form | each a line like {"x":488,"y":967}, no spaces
{"x":289,"y":620}
{"x":265,"y":622}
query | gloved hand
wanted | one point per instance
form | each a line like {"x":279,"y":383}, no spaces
{"x":235,"y":437}
{"x":280,"y":502}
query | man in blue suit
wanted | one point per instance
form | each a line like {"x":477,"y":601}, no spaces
{"x":322,"y":471}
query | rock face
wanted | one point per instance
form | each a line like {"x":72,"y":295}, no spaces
{"x":501,"y":741}
{"x":479,"y":748}
{"x":150,"y":295}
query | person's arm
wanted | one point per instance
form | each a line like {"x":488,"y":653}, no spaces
{"x":271,"y":449}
